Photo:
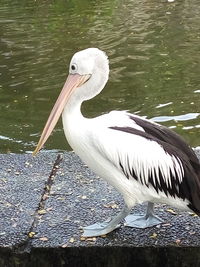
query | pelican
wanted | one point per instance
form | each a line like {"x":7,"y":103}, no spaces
{"x":142,"y":160}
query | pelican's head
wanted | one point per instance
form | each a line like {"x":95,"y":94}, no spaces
{"x":91,"y":68}
{"x":88,"y":74}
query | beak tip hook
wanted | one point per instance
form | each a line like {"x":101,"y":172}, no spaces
{"x":34,"y":153}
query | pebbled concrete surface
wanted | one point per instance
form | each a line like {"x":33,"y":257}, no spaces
{"x":45,"y":201}
{"x":22,"y":180}
{"x":79,"y":198}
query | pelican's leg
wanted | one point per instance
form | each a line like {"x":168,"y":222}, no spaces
{"x":107,"y":226}
{"x":143,"y":221}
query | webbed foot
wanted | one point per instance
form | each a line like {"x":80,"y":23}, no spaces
{"x":99,"y":229}
{"x":142,"y":221}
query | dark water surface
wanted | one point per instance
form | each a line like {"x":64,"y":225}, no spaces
{"x":154,"y":51}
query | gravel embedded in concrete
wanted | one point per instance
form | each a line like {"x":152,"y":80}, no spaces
{"x":35,"y":218}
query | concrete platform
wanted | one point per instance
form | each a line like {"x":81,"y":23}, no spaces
{"x":46,"y":200}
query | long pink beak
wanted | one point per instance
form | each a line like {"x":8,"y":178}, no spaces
{"x":73,"y":81}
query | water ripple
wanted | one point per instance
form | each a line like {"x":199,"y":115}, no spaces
{"x":154,"y":57}
{"x":184,"y":117}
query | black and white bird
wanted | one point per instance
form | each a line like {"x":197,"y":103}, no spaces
{"x":144,"y":161}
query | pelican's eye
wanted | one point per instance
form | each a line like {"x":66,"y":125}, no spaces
{"x":74,"y":67}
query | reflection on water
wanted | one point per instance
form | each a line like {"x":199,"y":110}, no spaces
{"x":154,"y":54}
{"x":185,"y":117}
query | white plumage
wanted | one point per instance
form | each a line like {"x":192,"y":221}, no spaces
{"x":141,"y":159}
{"x":93,"y":139}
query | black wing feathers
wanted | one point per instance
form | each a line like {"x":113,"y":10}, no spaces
{"x":174,"y":145}
{"x":165,"y":134}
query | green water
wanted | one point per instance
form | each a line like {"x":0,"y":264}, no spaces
{"x":154,"y":51}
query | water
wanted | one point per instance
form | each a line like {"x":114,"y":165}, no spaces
{"x":154,"y":51}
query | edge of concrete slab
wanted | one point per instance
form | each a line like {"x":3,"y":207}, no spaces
{"x":105,"y":256}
